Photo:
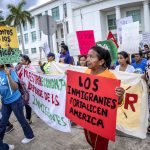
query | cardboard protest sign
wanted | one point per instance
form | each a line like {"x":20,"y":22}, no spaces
{"x":145,"y":40}
{"x":73,"y":44}
{"x":47,"y":98}
{"x":130,"y":38}
{"x":9,"y":49}
{"x":90,"y":105}
{"x":85,"y":40}
{"x":120,"y":23}
{"x":111,"y":47}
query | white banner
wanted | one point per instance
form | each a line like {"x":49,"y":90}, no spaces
{"x":130,"y":38}
{"x":120,"y":23}
{"x":132,"y":116}
{"x":48,"y":98}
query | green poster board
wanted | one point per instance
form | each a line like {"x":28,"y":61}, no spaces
{"x":110,"y":45}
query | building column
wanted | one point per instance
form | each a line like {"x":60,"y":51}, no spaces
{"x":146,"y":16}
{"x":118,"y":12}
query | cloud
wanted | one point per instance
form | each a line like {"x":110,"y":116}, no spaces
{"x":4,"y":3}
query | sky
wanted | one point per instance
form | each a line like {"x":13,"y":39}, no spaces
{"x":30,"y":3}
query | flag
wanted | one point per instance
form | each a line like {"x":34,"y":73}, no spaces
{"x":111,"y":37}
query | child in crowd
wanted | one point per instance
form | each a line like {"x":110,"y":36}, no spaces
{"x":25,"y":61}
{"x":82,"y":60}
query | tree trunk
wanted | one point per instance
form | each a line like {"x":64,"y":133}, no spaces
{"x":22,"y":41}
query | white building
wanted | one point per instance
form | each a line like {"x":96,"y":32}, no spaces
{"x":61,"y":10}
{"x":101,"y":15}
{"x":73,"y":15}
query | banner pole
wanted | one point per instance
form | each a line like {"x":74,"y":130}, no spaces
{"x":9,"y":86}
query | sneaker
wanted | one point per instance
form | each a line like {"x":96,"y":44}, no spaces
{"x":26,"y":140}
{"x":9,"y":129}
{"x":11,"y":147}
{"x":73,"y":124}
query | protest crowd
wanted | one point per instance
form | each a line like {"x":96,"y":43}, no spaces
{"x":24,"y":85}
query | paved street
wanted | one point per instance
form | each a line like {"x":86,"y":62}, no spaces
{"x":50,"y":139}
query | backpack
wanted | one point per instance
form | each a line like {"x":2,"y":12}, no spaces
{"x":24,"y":92}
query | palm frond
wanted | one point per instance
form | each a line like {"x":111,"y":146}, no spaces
{"x":17,"y":14}
{"x":10,"y":19}
{"x":21,"y":5}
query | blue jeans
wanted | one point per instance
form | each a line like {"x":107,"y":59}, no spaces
{"x":17,"y":108}
{"x":28,"y":112}
{"x":3,"y":146}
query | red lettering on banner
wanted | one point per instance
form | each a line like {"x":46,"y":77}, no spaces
{"x":38,"y":80}
{"x":130,"y":99}
{"x":35,"y":90}
{"x":33,"y":77}
{"x":51,"y":98}
{"x":26,"y":73}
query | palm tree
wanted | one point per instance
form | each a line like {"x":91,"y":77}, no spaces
{"x":2,"y":21}
{"x":18,"y":16}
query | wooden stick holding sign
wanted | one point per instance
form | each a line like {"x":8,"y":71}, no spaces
{"x":5,"y":68}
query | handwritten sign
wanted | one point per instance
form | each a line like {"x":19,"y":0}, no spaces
{"x":90,"y":105}
{"x":47,"y":98}
{"x":85,"y":40}
{"x":9,"y":49}
{"x":73,"y":44}
{"x":120,"y":23}
{"x":130,"y":38}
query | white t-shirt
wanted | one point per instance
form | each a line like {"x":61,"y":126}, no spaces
{"x":129,"y":69}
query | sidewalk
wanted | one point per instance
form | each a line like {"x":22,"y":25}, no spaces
{"x":49,"y":139}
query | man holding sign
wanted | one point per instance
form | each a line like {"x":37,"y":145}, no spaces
{"x":89,"y":103}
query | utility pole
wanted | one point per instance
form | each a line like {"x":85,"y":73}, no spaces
{"x":81,"y":19}
{"x":48,"y":25}
{"x":50,"y":41}
{"x":64,"y":25}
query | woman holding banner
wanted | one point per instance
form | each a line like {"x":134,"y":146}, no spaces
{"x":98,"y":62}
{"x":12,"y":101}
{"x":25,"y":60}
